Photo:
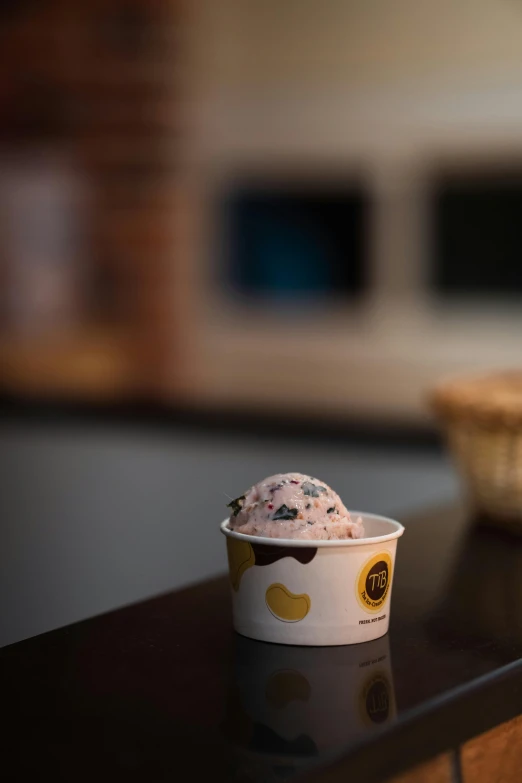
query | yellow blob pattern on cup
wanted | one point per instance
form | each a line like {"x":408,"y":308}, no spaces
{"x":240,"y":558}
{"x":285,"y":605}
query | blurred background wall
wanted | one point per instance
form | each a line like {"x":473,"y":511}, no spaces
{"x":265,"y":207}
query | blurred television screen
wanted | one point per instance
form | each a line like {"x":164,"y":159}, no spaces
{"x":477,"y":242}
{"x":304,"y":243}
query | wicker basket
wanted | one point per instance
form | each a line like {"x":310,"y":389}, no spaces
{"x":483,"y":420}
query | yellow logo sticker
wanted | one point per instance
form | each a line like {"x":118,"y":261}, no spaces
{"x":373,"y":582}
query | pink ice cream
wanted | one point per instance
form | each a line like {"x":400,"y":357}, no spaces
{"x":291,"y":505}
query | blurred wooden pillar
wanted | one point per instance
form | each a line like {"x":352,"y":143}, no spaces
{"x":118,"y":70}
{"x":131,"y":86}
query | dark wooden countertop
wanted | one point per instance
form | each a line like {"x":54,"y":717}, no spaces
{"x":164,"y":689}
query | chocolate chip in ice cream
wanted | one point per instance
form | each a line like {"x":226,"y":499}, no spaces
{"x":283,"y":512}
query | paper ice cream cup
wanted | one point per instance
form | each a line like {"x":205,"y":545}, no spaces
{"x":304,"y":592}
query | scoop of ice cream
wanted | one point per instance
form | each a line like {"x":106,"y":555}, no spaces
{"x":291,"y":505}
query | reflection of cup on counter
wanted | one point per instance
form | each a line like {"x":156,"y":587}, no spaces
{"x":290,"y":704}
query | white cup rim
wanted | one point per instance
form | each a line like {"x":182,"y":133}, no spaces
{"x":396,"y":531}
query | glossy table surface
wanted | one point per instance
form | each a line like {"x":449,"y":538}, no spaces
{"x":165,"y":688}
